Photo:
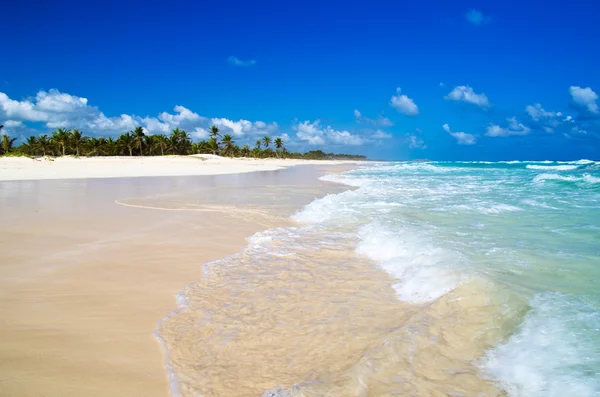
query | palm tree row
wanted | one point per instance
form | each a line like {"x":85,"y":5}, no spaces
{"x":62,"y":142}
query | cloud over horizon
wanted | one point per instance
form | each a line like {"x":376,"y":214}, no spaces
{"x":513,"y":128}
{"x":462,"y":138}
{"x":54,"y":109}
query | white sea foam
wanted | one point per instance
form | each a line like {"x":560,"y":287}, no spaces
{"x":498,"y":208}
{"x":591,"y":179}
{"x":535,"y":203}
{"x":587,"y":178}
{"x":545,"y":358}
{"x":421,"y":269}
{"x":356,"y":182}
{"x":552,"y":167}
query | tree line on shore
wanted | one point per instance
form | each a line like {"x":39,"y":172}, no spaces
{"x":63,"y":142}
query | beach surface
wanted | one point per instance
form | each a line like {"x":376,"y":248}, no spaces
{"x":90,"y":266}
{"x":24,"y":168}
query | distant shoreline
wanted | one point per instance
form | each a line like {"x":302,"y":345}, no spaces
{"x":25,"y":168}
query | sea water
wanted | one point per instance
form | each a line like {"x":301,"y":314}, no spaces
{"x":424,"y":278}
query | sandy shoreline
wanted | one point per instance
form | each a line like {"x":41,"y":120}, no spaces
{"x":23,"y":168}
{"x":84,"y":280}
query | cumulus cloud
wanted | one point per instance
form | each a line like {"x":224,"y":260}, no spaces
{"x":238,"y":62}
{"x":56,"y":109}
{"x":541,"y":118}
{"x":315,"y":134}
{"x":52,"y":109}
{"x":537,"y":112}
{"x":404,"y":104}
{"x":476,"y":17}
{"x":513,"y":128}
{"x":462,"y":138}
{"x":379,"y":121}
{"x":465,"y":93}
{"x":378,"y":134}
{"x":244,"y":127}
{"x":414,"y":142}
{"x":584,"y":99}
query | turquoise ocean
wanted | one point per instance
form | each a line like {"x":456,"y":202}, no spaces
{"x":529,"y":229}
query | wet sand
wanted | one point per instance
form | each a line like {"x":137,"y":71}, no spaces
{"x":90,"y":266}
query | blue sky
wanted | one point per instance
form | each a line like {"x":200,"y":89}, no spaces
{"x":439,"y":80}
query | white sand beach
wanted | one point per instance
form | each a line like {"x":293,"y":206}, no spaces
{"x":84,"y":280}
{"x":24,"y":168}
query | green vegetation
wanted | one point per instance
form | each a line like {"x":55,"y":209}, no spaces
{"x":64,"y":142}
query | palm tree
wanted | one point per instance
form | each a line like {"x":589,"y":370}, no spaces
{"x":257,"y":144}
{"x":214,"y":132}
{"x":162,"y":142}
{"x":228,"y":145}
{"x":110,"y":146}
{"x":266,"y":140}
{"x":61,"y":137}
{"x":246,"y":151}
{"x":7,"y":143}
{"x":43,"y":143}
{"x":185,"y":142}
{"x":213,"y":145}
{"x":77,"y":138}
{"x":138,"y":138}
{"x":127,"y":141}
{"x":278,"y":145}
{"x":31,"y":145}
{"x":151,"y":143}
{"x":95,"y":146}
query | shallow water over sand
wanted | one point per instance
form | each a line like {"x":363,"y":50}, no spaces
{"x":298,"y":312}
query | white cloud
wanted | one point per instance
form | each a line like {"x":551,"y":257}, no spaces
{"x":513,"y":128}
{"x":462,"y":138}
{"x":476,"y":17}
{"x":537,"y":112}
{"x":242,"y":127}
{"x":314,"y":134}
{"x":55,"y":101}
{"x":12,"y":123}
{"x":414,"y":142}
{"x":56,"y":109}
{"x":404,"y":104}
{"x":544,"y":119}
{"x":465,"y":93}
{"x":584,"y":98}
{"x":238,"y":62}
{"x":200,"y":133}
{"x":381,"y":135}
{"x":379,"y":121}
{"x":24,"y":110}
